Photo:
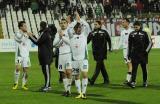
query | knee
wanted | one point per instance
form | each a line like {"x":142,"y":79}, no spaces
{"x":77,"y":77}
{"x":84,"y":75}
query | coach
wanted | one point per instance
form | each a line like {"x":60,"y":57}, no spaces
{"x":99,"y":38}
{"x":139,"y":46}
{"x":45,"y":52}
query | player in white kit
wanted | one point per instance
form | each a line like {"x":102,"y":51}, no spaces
{"x":124,"y":43}
{"x":22,"y":58}
{"x":78,"y":32}
{"x":64,"y":64}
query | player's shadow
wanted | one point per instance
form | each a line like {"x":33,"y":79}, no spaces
{"x":118,"y":86}
{"x":152,"y":86}
{"x":114,"y":101}
{"x":99,"y":85}
{"x":111,"y":86}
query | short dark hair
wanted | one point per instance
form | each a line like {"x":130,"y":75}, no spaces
{"x":77,"y":25}
{"x":63,"y":20}
{"x":137,"y":23}
{"x":126,"y":20}
{"x":99,"y":22}
{"x":43,"y":24}
{"x":20,"y":24}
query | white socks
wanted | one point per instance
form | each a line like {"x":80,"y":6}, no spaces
{"x":65,"y":82}
{"x":128,"y":77}
{"x":24,"y":78}
{"x":16,"y":76}
{"x":84,"y":85}
{"x":69,"y":84}
{"x":78,"y":85}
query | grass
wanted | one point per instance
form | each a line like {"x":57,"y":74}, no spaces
{"x":114,"y":93}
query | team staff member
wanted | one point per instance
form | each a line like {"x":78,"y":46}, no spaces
{"x":139,"y":46}
{"x":45,"y":52}
{"x":99,"y":38}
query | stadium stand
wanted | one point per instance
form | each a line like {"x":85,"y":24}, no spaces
{"x":51,"y":11}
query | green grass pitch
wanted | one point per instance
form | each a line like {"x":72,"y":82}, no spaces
{"x":115,"y":93}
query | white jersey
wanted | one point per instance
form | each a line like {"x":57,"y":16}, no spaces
{"x":79,"y":42}
{"x":79,"y":47}
{"x":63,"y":43}
{"x":124,"y":38}
{"x":22,"y":44}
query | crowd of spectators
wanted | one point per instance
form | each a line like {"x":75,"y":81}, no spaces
{"x":89,"y":8}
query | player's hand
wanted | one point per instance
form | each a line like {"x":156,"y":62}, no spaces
{"x":77,"y":16}
{"x":29,"y":34}
{"x":61,"y":33}
{"x":68,"y":19}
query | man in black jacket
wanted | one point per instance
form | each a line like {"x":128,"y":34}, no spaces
{"x":99,"y":38}
{"x":139,"y":47}
{"x":45,"y":52}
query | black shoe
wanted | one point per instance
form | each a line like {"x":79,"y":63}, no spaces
{"x":106,"y":82}
{"x":60,"y":81}
{"x":84,"y":96}
{"x":145,"y":84}
{"x":45,"y":89}
{"x":131,"y":84}
{"x":91,"y":81}
{"x":64,"y":93}
{"x":68,"y":94}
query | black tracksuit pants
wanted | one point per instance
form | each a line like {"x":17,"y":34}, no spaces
{"x":100,"y":67}
{"x":134,"y":71}
{"x":47,"y":75}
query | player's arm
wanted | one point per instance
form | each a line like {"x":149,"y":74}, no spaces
{"x":120,"y":41}
{"x":86,"y":28}
{"x":40,"y":39}
{"x":64,"y":39}
{"x":56,"y":40}
{"x":89,"y":38}
{"x":129,"y":46}
{"x":108,"y":40}
{"x":18,"y":37}
{"x":148,"y":43}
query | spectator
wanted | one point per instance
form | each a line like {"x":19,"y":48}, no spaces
{"x":108,"y":9}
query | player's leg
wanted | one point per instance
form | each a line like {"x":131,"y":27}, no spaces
{"x":96,"y":73}
{"x":61,"y":65}
{"x":25,"y":78}
{"x":76,"y":73}
{"x":68,"y":72}
{"x":134,"y":74}
{"x":62,"y":69}
{"x":25,"y":64}
{"x":129,"y":73}
{"x":104,"y":73}
{"x":78,"y":86}
{"x":84,"y":71}
{"x":144,"y":71}
{"x":17,"y":72}
{"x":46,"y":71}
{"x":129,"y":66}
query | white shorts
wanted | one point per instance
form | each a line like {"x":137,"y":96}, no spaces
{"x":64,"y":62}
{"x":125,"y":55}
{"x":81,"y":65}
{"x":23,"y":61}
